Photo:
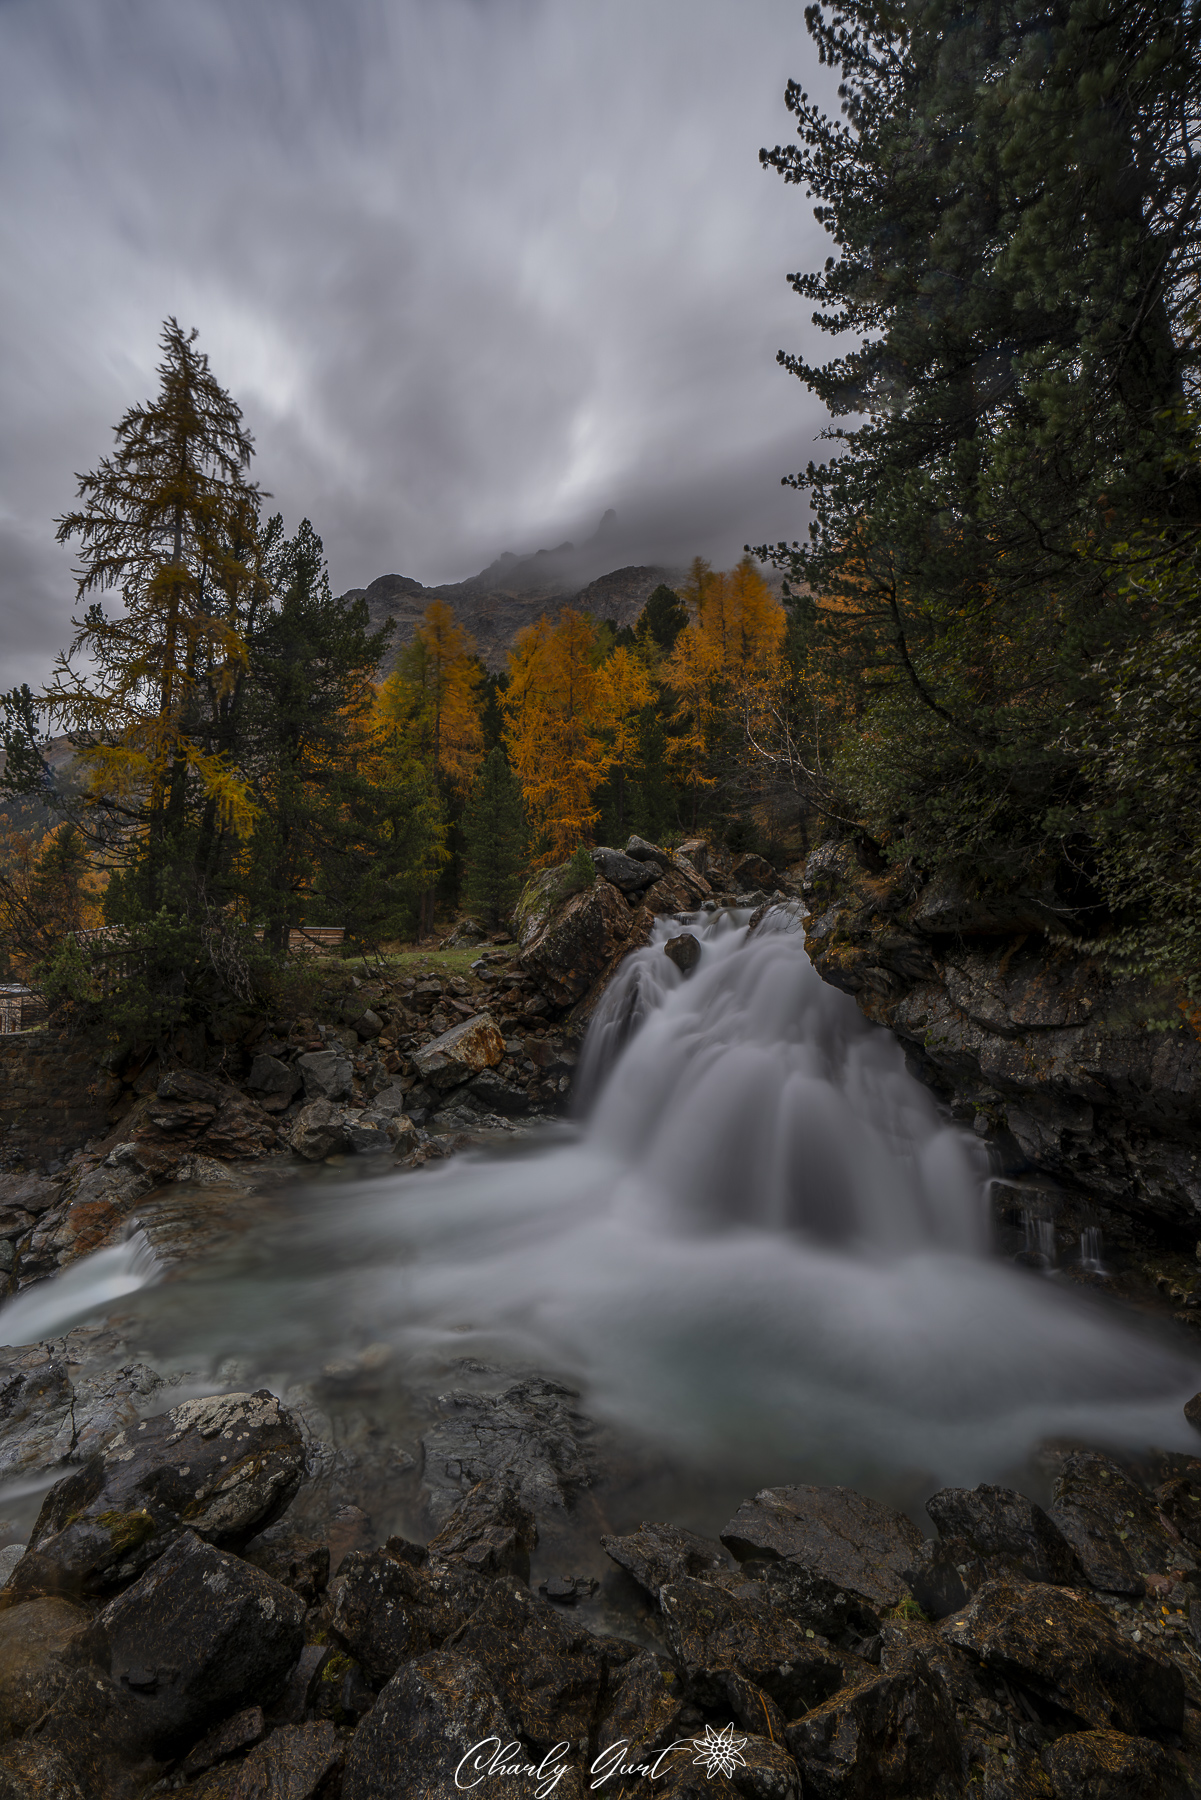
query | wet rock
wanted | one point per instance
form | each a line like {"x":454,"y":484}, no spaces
{"x":189,"y":1086}
{"x":386,"y":1610}
{"x":834,"y":1532}
{"x":326,"y":1075}
{"x":34,"y":1770}
{"x":268,"y":1075}
{"x":219,"y":1467}
{"x":946,"y":1572}
{"x":432,"y":1714}
{"x":530,"y":1435}
{"x":655,"y":1554}
{"x":818,"y":1605}
{"x":241,"y":1130}
{"x":490,"y":1532}
{"x":998,"y":1521}
{"x":1112,"y":1525}
{"x":463,"y":1051}
{"x":1192,"y":1411}
{"x":291,"y":1557}
{"x":1106,"y":1765}
{"x":35,"y":1642}
{"x":195,"y":1635}
{"x":48,"y":1416}
{"x":684,"y":951}
{"x":645,"y":852}
{"x":294,"y":1763}
{"x":752,"y":872}
{"x":548,"y":1675}
{"x":577,"y":943}
{"x":645,"y":1706}
{"x":709,"y":1631}
{"x":319,"y":1130}
{"x":366,"y":1136}
{"x":1180,"y":1503}
{"x":888,"y":1739}
{"x":625,"y":872}
{"x":241,"y":1732}
{"x":1066,"y":1654}
{"x":496,"y":1095}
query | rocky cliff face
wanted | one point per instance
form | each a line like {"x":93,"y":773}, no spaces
{"x":1034,"y":1042}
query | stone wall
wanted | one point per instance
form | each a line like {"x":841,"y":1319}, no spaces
{"x":53,"y":1098}
{"x":1069,"y":1071}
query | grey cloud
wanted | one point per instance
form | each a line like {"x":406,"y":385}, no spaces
{"x":475,"y":269}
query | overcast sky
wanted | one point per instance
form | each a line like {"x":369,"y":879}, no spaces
{"x":475,"y":270}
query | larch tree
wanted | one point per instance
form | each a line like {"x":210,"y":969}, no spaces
{"x":557,"y":712}
{"x":163,"y":524}
{"x":433,"y":699}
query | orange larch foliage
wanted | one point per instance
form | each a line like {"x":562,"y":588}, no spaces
{"x":558,"y":709}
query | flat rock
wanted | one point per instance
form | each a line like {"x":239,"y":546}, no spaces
{"x":198,"y":1633}
{"x":1066,"y":1653}
{"x":709,"y":1632}
{"x":855,"y":1542}
{"x":463,"y":1051}
{"x":818,"y":1605}
{"x":434,"y":1713}
{"x":998,"y":1521}
{"x":655,"y":1554}
{"x":219,"y":1467}
{"x":530,"y":1435}
{"x":52,"y":1413}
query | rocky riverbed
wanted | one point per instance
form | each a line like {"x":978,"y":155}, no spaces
{"x":182,"y":1622}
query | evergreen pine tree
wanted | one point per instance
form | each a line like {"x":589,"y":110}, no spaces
{"x":495,"y":839}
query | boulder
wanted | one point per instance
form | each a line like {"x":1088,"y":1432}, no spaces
{"x":240,"y":1130}
{"x":1066,"y":1653}
{"x":319,"y":1130}
{"x":891,"y":1738}
{"x":818,"y":1605}
{"x":35,"y":1770}
{"x":530,"y":1435}
{"x":549,"y":1676}
{"x":577,"y":943}
{"x":684,"y":951}
{"x":497,"y":1095}
{"x":368,"y":1136}
{"x":268,"y":1075}
{"x":35,"y":1644}
{"x":1107,"y":1765}
{"x":390,"y":1100}
{"x":998,"y":1521}
{"x":326,"y":1075}
{"x":1180,"y":1504}
{"x":946,"y":1572}
{"x":642,"y":851}
{"x":29,"y":1193}
{"x":188,"y":1085}
{"x":834,"y":1532}
{"x":221,"y":1467}
{"x":384,"y":1609}
{"x":752,"y":872}
{"x":655,"y":1554}
{"x":197,"y":1633}
{"x":490,"y":1532}
{"x":1112,"y":1525}
{"x":643,"y":1708}
{"x":678,"y":890}
{"x":241,"y":1732}
{"x":710,"y":1633}
{"x":625,"y":872}
{"x":366,"y":1025}
{"x":290,"y":1556}
{"x":434,"y":1713}
{"x":294,"y":1763}
{"x":463,"y":1051}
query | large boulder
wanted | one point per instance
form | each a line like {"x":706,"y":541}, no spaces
{"x":196,"y":1635}
{"x":891,"y":1738}
{"x":548,"y":1675}
{"x":35,"y":1644}
{"x":319,"y":1130}
{"x":438,"y":1715}
{"x":1107,"y":1765}
{"x":1065,"y":1652}
{"x":463,"y":1051}
{"x":221,"y":1467}
{"x":577,"y":943}
{"x":998,"y":1521}
{"x":269,"y":1076}
{"x":834,"y":1532}
{"x":711,"y":1634}
{"x":385,"y":1610}
{"x":1113,"y":1526}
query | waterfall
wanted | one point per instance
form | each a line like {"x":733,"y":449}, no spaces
{"x":760,"y":1248}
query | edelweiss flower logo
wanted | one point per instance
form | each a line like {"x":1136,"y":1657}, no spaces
{"x":720,"y":1751}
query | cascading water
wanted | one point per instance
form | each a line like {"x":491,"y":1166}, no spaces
{"x":762,"y":1251}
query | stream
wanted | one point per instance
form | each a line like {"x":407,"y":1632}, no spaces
{"x":760,"y":1255}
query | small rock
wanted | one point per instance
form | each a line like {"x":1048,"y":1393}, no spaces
{"x":239,"y":1733}
{"x":490,"y":1531}
{"x":293,"y":1763}
{"x":655,"y":1554}
{"x":319,"y":1130}
{"x":326,"y":1075}
{"x":1107,"y":1765}
{"x":684,"y":951}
